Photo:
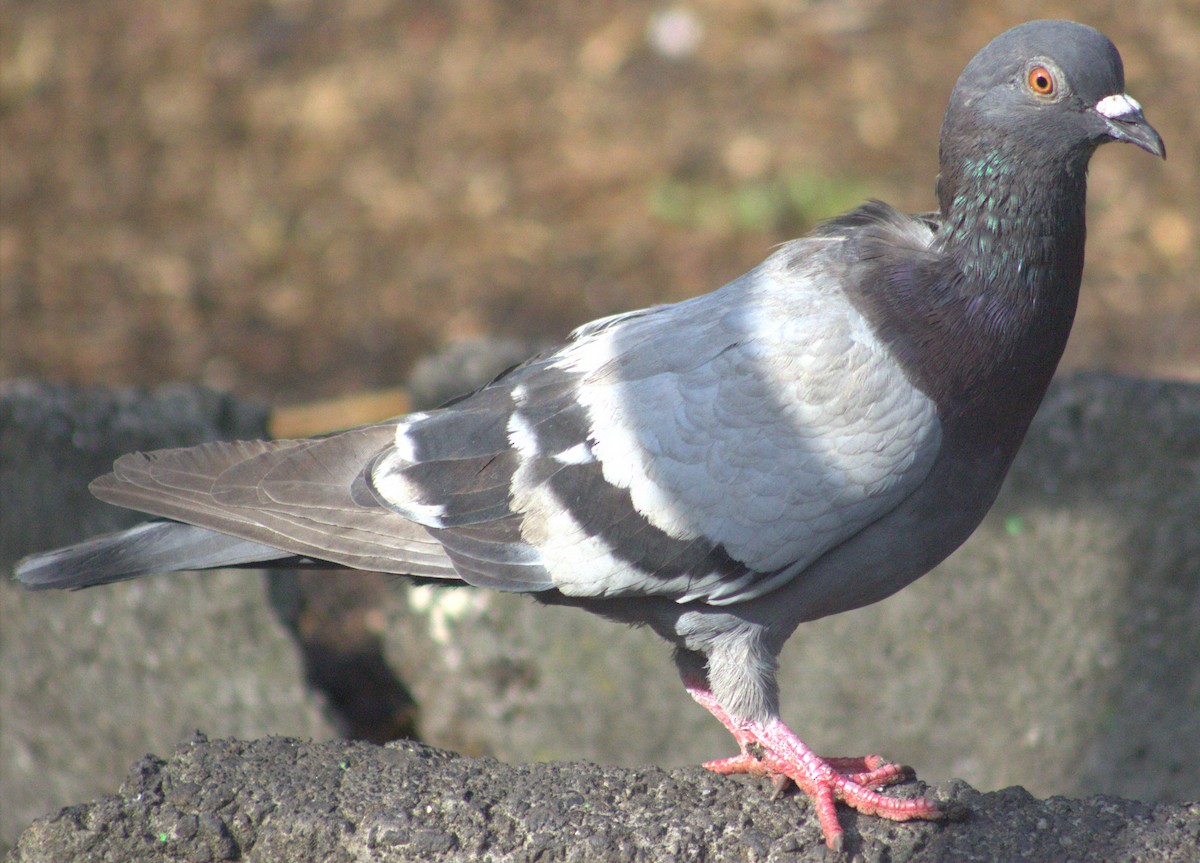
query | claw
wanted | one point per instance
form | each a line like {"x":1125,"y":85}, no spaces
{"x":772,"y":749}
{"x":779,"y":784}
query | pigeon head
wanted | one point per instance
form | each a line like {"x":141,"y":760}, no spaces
{"x":1043,"y":96}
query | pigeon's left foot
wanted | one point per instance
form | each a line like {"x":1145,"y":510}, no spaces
{"x":773,"y":749}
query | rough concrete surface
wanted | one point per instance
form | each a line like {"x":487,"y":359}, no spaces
{"x":284,"y":800}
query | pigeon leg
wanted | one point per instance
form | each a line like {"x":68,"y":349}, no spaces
{"x":772,"y":749}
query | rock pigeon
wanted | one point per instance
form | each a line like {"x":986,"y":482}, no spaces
{"x":808,"y":439}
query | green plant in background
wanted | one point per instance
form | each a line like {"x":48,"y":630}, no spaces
{"x":789,"y":203}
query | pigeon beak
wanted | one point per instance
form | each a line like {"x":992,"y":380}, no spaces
{"x":1125,"y":122}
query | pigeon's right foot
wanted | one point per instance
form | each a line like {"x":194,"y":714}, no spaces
{"x":772,"y":749}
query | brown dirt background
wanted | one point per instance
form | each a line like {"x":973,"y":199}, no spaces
{"x":298,"y":198}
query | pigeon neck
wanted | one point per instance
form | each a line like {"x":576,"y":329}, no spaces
{"x":1013,"y":227}
{"x":1011,"y":244}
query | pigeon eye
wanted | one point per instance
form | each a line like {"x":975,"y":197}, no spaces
{"x":1041,"y":81}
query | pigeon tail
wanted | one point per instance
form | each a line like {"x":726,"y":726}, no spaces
{"x":153,"y":546}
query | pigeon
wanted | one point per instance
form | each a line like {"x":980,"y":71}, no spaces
{"x":807,"y":439}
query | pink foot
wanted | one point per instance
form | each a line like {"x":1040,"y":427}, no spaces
{"x":772,"y":749}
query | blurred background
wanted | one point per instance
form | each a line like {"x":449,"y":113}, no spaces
{"x":295,"y":199}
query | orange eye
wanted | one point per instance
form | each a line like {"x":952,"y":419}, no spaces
{"x":1041,"y":81}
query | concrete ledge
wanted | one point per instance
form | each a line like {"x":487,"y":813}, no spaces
{"x":279,"y":799}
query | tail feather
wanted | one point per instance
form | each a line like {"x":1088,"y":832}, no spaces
{"x":244,"y":503}
{"x":155,"y":546}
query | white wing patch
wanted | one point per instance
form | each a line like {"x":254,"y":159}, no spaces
{"x":522,"y":438}
{"x":405,"y":449}
{"x":579,"y":563}
{"x":580,"y":453}
{"x":391,"y":484}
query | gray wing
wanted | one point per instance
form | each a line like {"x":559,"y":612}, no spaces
{"x":708,"y":450}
